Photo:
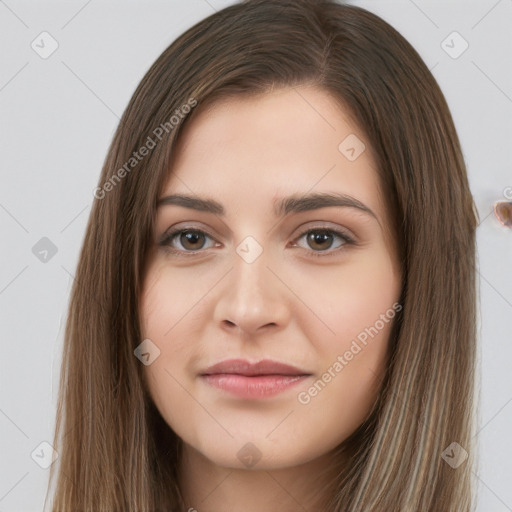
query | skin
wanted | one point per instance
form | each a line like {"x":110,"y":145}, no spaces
{"x":287,"y":305}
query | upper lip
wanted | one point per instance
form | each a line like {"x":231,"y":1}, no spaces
{"x":244,"y":367}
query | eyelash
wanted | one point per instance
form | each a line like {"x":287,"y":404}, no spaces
{"x":167,"y":238}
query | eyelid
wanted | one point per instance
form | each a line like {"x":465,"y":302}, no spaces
{"x":325,"y":226}
{"x":186,"y":226}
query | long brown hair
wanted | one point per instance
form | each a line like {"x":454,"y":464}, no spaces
{"x":116,"y":453}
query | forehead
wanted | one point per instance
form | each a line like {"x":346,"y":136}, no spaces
{"x":248,"y":151}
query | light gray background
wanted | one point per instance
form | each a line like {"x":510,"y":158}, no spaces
{"x":58,"y":116}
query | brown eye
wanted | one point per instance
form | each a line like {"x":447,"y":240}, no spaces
{"x":192,"y":240}
{"x":186,"y":240}
{"x":324,"y":242}
{"x":319,"y":240}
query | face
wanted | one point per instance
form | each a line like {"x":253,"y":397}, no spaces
{"x":263,"y":272}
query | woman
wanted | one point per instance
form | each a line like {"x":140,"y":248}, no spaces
{"x":274,"y":306}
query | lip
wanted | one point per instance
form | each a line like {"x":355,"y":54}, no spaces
{"x":248,"y":369}
{"x":248,"y":380}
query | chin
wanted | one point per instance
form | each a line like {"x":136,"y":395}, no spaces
{"x":255,"y":453}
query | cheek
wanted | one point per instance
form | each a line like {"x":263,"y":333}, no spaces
{"x":170,"y":300}
{"x":349,"y":377}
{"x":357,"y":304}
{"x":172,"y":316}
{"x":162,"y":314}
{"x":348,"y":298}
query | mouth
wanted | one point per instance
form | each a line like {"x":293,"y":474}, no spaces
{"x":253,"y":380}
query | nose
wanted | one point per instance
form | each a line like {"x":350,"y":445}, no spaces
{"x":252,"y":298}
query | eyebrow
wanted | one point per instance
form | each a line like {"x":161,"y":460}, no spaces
{"x":282,"y":207}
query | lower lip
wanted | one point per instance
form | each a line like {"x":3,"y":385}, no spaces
{"x":254,"y":387}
